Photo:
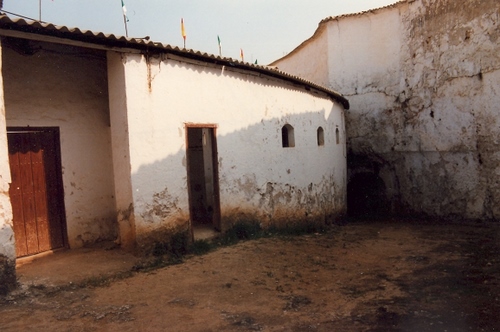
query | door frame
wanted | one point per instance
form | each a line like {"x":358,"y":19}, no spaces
{"x":216,"y":217}
{"x":58,"y":177}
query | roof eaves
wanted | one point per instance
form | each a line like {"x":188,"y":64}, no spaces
{"x":144,"y":44}
{"x":333,"y":18}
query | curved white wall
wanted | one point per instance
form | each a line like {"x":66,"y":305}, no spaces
{"x":258,"y":177}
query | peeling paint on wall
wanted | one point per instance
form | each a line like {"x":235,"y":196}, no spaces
{"x":162,"y":206}
{"x":449,"y":108}
{"x":282,"y":205}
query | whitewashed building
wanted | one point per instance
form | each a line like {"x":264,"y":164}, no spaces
{"x":113,"y":138}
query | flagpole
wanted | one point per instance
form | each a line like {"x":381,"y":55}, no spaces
{"x":39,"y":10}
{"x":183,"y":32}
{"x":125,"y":22}
{"x":220,"y":46}
{"x":124,"y":10}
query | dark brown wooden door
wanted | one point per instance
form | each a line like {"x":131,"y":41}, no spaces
{"x":35,"y":191}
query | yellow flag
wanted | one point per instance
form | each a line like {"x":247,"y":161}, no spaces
{"x":183,"y":30}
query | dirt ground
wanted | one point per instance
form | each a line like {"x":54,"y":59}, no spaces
{"x":362,"y":276}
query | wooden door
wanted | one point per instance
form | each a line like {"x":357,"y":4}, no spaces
{"x":36,"y":191}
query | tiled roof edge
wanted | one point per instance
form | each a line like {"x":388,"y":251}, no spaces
{"x":332,"y":18}
{"x":143,"y":44}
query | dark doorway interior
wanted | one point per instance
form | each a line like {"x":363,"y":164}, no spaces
{"x":366,"y":195}
{"x":36,"y":192}
{"x":203,"y":176}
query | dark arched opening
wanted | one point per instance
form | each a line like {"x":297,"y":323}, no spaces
{"x":287,"y":136}
{"x":366,"y":196}
{"x":320,"y":136}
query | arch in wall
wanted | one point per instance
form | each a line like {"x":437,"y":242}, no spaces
{"x":320,"y":136}
{"x":366,"y":195}
{"x":287,"y":136}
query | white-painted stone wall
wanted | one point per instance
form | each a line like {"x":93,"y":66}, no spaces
{"x":450,"y":94}
{"x":257,"y":176}
{"x":422,"y":78}
{"x":66,"y":87}
{"x":7,"y":244}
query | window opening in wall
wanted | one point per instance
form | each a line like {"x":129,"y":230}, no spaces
{"x":321,"y":136}
{"x":287,"y":136}
{"x":337,"y":135}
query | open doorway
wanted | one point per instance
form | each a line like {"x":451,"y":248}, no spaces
{"x":366,"y":196}
{"x":203,"y":181}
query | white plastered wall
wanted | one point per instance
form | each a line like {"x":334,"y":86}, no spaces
{"x":7,"y":244}
{"x":310,"y":59}
{"x":364,"y":65}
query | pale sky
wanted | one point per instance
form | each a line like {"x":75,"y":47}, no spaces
{"x":265,"y":29}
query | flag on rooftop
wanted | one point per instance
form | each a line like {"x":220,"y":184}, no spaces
{"x":242,"y":56}
{"x":183,"y":32}
{"x":183,"y":29}
{"x":220,"y":45}
{"x":125,"y":18}
{"x":124,"y":9}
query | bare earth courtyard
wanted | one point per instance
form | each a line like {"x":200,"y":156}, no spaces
{"x":362,"y":276}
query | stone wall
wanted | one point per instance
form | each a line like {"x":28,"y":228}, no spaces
{"x":422,"y":79}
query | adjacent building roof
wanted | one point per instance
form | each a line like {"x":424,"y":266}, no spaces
{"x":321,"y":26}
{"x":22,"y":28}
{"x":331,"y":18}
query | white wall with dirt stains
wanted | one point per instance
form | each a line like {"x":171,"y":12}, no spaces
{"x":48,"y":85}
{"x":422,"y":80}
{"x":449,"y":98}
{"x":258,"y":177}
{"x":7,"y":244}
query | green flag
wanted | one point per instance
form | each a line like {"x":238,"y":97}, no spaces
{"x":124,"y":9}
{"x":220,"y":45}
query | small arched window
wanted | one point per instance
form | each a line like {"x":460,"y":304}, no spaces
{"x":320,"y":136}
{"x":337,"y":135}
{"x":287,"y":136}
